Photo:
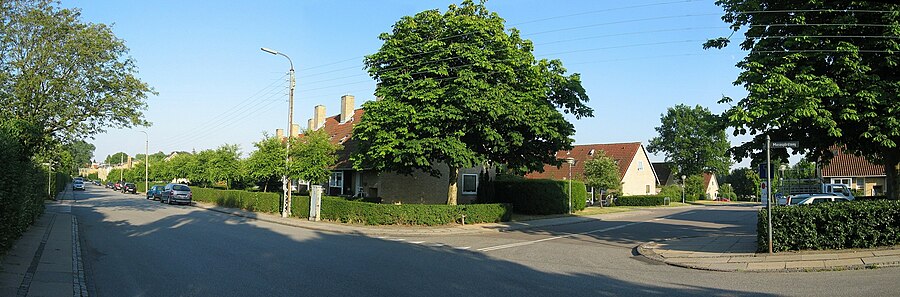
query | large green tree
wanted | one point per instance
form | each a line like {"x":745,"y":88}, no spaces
{"x":745,"y":182}
{"x":266,"y":164}
{"x":119,"y":157}
{"x":82,"y":152}
{"x":70,"y":77}
{"x":823,"y":73}
{"x":312,"y":156}
{"x":602,"y":173}
{"x":459,"y":89}
{"x":693,"y":140}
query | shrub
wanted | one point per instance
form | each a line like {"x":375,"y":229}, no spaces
{"x":653,"y":200}
{"x":252,"y":201}
{"x":540,"y":196}
{"x":346,"y":211}
{"x":23,"y":185}
{"x":863,"y":224}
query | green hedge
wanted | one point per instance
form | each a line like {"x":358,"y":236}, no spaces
{"x":862,"y":224}
{"x":252,"y":201}
{"x":540,"y":196}
{"x":23,"y":184}
{"x":341,"y":210}
{"x":649,"y":200}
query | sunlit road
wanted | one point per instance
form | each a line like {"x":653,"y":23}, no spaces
{"x":138,"y":247}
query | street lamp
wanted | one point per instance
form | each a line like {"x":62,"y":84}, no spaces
{"x":146,"y":160}
{"x":286,"y":205}
{"x":683,"y":184}
{"x":571,"y":162}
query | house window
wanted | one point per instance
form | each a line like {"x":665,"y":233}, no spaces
{"x":860,"y":183}
{"x":845,"y":181}
{"x":469,"y":183}
{"x":336,"y":180}
{"x":641,"y":167}
{"x":648,"y":189}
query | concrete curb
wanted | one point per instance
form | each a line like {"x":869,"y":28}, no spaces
{"x":648,"y":250}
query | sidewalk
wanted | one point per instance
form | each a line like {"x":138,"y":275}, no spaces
{"x":412,"y":230}
{"x":46,"y":260}
{"x":737,"y":253}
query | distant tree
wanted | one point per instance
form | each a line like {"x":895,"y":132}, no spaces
{"x":312,"y":156}
{"x":82,"y":152}
{"x":694,"y":188}
{"x":602,"y":173}
{"x":116,"y":158}
{"x":70,"y":77}
{"x":745,"y":182}
{"x":823,"y":73}
{"x":693,"y":140}
{"x":460,"y":90}
{"x":221,"y":164}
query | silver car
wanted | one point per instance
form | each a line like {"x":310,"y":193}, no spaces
{"x":820,"y":198}
{"x":176,"y":193}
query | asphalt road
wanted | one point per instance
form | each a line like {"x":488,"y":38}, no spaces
{"x":138,"y":247}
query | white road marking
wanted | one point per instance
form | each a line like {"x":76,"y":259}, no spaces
{"x":462,"y":247}
{"x":397,"y":239}
{"x":416,"y":242}
{"x":518,"y":244}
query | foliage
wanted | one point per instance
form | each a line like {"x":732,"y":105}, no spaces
{"x":117,"y":158}
{"x":863,"y":224}
{"x":69,"y":77}
{"x":693,"y":140}
{"x":266,"y":163}
{"x":221,"y":164}
{"x":82,"y":153}
{"x":602,"y":173}
{"x":24,"y":185}
{"x":251,"y":201}
{"x":745,"y":182}
{"x":671,"y":191}
{"x":540,"y":196}
{"x":821,"y":85}
{"x":344,"y":211}
{"x":457,"y":89}
{"x":648,"y":200}
{"x":726,"y":191}
{"x":694,"y":188}
{"x":312,"y":156}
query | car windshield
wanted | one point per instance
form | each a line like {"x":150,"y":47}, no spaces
{"x":181,"y":188}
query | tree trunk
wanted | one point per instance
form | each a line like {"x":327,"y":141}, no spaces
{"x":453,"y":188}
{"x":892,"y":181}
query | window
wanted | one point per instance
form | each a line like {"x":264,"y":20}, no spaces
{"x":845,"y":181}
{"x":860,"y":183}
{"x":641,"y":167}
{"x":469,"y":183}
{"x":336,"y":180}
{"x":648,"y":189}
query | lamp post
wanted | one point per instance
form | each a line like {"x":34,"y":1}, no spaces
{"x":683,"y":184}
{"x":146,"y":160}
{"x":286,"y":204}
{"x":571,"y":162}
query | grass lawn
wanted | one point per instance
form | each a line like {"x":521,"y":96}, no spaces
{"x":712,"y":202}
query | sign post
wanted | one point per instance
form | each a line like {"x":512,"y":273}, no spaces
{"x":767,"y":186}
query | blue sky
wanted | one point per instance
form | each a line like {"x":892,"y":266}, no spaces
{"x":636,"y":59}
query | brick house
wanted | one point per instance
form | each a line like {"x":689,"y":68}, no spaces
{"x":635,"y":171}
{"x":391,"y":187}
{"x":856,"y":172}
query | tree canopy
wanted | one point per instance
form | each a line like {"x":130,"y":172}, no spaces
{"x":823,"y":73}
{"x":693,"y":140}
{"x":460,"y":89}
{"x":602,"y":173}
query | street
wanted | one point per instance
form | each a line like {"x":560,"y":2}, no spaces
{"x":137,"y":247}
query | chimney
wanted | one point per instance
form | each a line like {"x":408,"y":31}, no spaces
{"x":295,"y":130}
{"x":346,"y":108}
{"x":309,"y":124}
{"x":319,"y":117}
{"x":279,"y":133}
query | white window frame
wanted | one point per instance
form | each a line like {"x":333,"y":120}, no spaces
{"x":332,"y":181}
{"x":462,"y":184}
{"x":640,"y":165}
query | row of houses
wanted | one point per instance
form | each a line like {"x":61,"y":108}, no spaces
{"x":639,"y":176}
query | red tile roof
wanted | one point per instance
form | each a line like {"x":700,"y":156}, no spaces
{"x":849,"y":165}
{"x":341,"y":133}
{"x":707,"y":177}
{"x":622,"y":153}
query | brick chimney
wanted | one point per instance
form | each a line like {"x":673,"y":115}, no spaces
{"x":346,"y":108}
{"x":279,"y":133}
{"x":319,"y":117}
{"x":309,"y":124}
{"x":295,"y":130}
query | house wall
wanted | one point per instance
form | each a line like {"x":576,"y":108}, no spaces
{"x":712,"y":191}
{"x":420,"y":187}
{"x":639,"y":176}
{"x":870,"y":184}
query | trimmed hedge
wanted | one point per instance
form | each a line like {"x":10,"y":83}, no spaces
{"x":648,"y":200}
{"x":863,"y":224}
{"x":252,"y":201}
{"x":540,"y":196}
{"x":23,"y":184}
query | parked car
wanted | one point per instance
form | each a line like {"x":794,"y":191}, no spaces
{"x":129,"y":188}
{"x":77,"y":185}
{"x":118,"y":186}
{"x":110,"y":185}
{"x":97,"y":182}
{"x":818,"y":198}
{"x":176,"y":193}
{"x":155,"y":192}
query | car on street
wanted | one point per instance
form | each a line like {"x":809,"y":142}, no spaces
{"x":818,"y":199}
{"x":176,"y":193}
{"x":129,"y":188}
{"x":155,"y":192}
{"x":110,"y":185}
{"x":77,"y":185}
{"x":97,"y":182}
{"x":118,"y":186}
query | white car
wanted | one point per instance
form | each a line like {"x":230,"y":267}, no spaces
{"x":77,"y":185}
{"x":817,"y":199}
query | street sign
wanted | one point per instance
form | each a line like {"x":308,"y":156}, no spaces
{"x":762,"y":170}
{"x":786,"y":144}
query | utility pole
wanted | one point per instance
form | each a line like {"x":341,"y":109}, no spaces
{"x":121,"y":166}
{"x":286,"y":204}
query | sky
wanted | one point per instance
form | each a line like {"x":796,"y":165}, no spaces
{"x":215,"y":86}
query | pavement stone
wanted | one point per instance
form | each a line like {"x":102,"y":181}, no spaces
{"x":886,"y":252}
{"x":766,"y":266}
{"x":728,"y":266}
{"x":881,"y":260}
{"x":844,"y":262}
{"x":804,"y":264}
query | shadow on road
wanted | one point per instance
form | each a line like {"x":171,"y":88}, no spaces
{"x":198,"y":252}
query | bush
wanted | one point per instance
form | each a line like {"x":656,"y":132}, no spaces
{"x":653,"y":200}
{"x":345,"y":211}
{"x":871,"y":198}
{"x":23,"y":185}
{"x":863,"y":224}
{"x":252,"y":201}
{"x":540,"y":196}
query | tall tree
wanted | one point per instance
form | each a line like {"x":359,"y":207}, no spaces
{"x":824,"y":73}
{"x":266,"y":164}
{"x":745,"y":182}
{"x":312,"y":156}
{"x":693,"y":140}
{"x":116,"y":158}
{"x":602,"y":173}
{"x":221,"y":164}
{"x":69,"y":77}
{"x":458,"y":89}
{"x":82,"y":152}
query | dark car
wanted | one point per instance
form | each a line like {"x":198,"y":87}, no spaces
{"x":155,"y":192}
{"x":110,"y":185}
{"x":129,"y":188}
{"x":176,"y":193}
{"x":97,"y":182}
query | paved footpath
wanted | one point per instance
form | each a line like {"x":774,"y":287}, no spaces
{"x":737,"y":253}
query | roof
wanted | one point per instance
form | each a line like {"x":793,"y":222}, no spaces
{"x":849,"y":165}
{"x":663,"y":172}
{"x":707,"y":177}
{"x":341,"y":133}
{"x":622,"y":153}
